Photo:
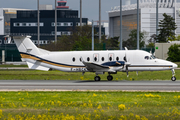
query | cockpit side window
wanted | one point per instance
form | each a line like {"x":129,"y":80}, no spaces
{"x":146,"y":57}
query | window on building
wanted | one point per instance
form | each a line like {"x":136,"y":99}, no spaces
{"x":65,"y":24}
{"x":52,"y":33}
{"x":16,"y":24}
{"x":23,"y":24}
{"x":58,"y":24}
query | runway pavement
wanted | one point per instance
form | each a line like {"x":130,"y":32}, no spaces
{"x":68,"y":85}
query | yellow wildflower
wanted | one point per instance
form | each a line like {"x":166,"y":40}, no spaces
{"x":121,"y":107}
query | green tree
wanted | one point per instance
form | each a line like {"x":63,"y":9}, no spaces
{"x":112,"y":43}
{"x":166,"y":28}
{"x":131,"y":43}
{"x":174,"y":38}
{"x":174,"y":53}
{"x":79,"y":40}
{"x":152,"y":41}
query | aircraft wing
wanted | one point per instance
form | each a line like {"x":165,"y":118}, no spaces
{"x":95,"y":67}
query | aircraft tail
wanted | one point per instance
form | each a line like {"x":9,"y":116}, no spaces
{"x":25,"y":45}
{"x":29,"y":52}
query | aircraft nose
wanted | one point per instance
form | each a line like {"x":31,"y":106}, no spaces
{"x":175,"y":65}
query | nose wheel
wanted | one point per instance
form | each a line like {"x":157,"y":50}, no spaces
{"x":173,"y":77}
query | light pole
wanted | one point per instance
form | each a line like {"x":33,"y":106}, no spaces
{"x":92,"y":35}
{"x":81,"y":13}
{"x":138,"y":24}
{"x":120,"y":37}
{"x":55,"y":22}
{"x":157,"y":18}
{"x":99,"y":21}
{"x":38,"y":23}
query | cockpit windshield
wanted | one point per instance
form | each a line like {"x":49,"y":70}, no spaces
{"x":153,"y":57}
{"x":150,"y":57}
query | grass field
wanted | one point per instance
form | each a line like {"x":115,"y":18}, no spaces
{"x":58,"y":75}
{"x":89,"y":105}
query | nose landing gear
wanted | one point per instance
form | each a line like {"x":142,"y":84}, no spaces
{"x":173,"y":75}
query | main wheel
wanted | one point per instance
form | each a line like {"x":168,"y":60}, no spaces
{"x":97,"y":78}
{"x":173,"y":78}
{"x":109,"y":77}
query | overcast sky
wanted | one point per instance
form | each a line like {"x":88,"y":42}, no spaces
{"x":90,"y":7}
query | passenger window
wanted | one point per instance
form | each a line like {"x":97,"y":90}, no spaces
{"x":110,"y":58}
{"x":88,"y":59}
{"x":95,"y":58}
{"x":73,"y":59}
{"x":117,"y":58}
{"x":102,"y":58}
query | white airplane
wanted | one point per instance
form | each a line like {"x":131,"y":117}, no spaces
{"x":98,"y":62}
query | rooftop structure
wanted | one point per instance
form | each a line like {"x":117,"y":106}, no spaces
{"x":62,"y":4}
{"x":147,"y":16}
{"x":147,"y":4}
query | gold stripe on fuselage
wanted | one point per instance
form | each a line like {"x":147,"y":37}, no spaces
{"x":34,"y":58}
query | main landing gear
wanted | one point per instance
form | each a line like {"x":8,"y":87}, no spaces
{"x":173,"y":75}
{"x":109,"y":78}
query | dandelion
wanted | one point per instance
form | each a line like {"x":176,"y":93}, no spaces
{"x":0,"y":113}
{"x":94,"y":95}
{"x":121,"y":107}
{"x":131,"y":115}
{"x":99,"y":107}
{"x":82,"y":78}
{"x":95,"y":111}
{"x":137,"y":117}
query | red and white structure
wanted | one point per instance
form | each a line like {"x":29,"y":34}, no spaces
{"x":62,"y":4}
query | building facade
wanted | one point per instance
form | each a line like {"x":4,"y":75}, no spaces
{"x":26,"y":24}
{"x":147,"y":17}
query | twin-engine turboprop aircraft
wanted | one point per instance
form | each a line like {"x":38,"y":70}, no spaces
{"x":98,"y":62}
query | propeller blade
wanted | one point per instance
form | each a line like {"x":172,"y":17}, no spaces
{"x":125,"y":59}
{"x":127,"y":71}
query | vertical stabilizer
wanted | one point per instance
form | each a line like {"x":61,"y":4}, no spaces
{"x":25,"y":45}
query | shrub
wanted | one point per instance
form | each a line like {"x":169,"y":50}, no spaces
{"x":174,"y":53}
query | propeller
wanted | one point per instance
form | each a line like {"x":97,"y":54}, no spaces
{"x":126,"y":65}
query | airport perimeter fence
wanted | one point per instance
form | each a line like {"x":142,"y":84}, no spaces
{"x":11,"y":54}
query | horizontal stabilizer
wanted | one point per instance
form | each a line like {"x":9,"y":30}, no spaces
{"x":37,"y":67}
